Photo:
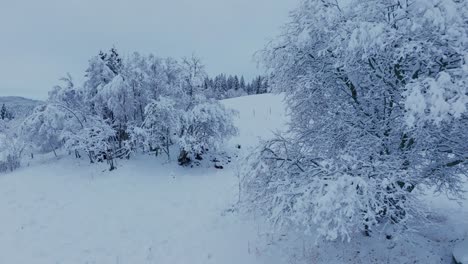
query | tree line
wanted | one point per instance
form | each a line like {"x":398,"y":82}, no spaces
{"x":223,"y":86}
{"x":126,"y":105}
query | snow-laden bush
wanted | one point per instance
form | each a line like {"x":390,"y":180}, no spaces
{"x":205,"y":126}
{"x":11,"y":150}
{"x":377,"y":94}
{"x":97,"y":139}
{"x":330,"y":197}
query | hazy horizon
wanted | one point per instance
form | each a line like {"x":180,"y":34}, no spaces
{"x":45,"y":40}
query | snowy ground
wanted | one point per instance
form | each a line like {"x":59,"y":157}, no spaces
{"x":148,"y":211}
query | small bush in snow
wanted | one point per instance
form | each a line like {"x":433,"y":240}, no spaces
{"x":11,"y":149}
{"x":97,"y":140}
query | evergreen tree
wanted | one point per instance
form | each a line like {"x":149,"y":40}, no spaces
{"x":230,"y":83}
{"x":242,"y":83}
{"x":264,"y":88}
{"x":5,"y":113}
{"x":236,"y":83}
{"x":258,"y":85}
{"x":112,"y":60}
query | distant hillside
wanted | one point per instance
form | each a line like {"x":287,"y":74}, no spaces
{"x":19,"y":106}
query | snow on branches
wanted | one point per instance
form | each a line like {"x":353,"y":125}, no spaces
{"x":377,"y":92}
{"x":162,"y":124}
{"x":140,"y":102}
{"x":204,"y":127}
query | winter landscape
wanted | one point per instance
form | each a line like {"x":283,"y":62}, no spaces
{"x":347,"y":142}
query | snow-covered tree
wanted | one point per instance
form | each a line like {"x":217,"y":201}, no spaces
{"x":205,"y":126}
{"x":126,"y":104}
{"x":11,"y":149}
{"x":97,"y":139}
{"x":377,"y":92}
{"x":5,"y":114}
{"x":162,"y":124}
{"x":139,"y":78}
{"x":97,"y":75}
{"x":242,"y":83}
{"x":69,"y":99}
{"x":44,"y":128}
{"x":112,"y":60}
{"x":118,"y":102}
{"x":193,"y":74}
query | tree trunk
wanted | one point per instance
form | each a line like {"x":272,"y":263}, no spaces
{"x":183,"y":158}
{"x":110,"y":161}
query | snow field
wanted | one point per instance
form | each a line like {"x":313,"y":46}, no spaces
{"x":149,"y":211}
{"x":146,"y":211}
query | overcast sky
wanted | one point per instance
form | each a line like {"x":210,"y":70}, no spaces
{"x":42,"y":40}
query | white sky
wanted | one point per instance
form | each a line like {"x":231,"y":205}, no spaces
{"x":42,"y":40}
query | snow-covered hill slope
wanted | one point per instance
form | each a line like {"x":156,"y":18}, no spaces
{"x":259,"y":116}
{"x":19,"y":106}
{"x":148,"y":211}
